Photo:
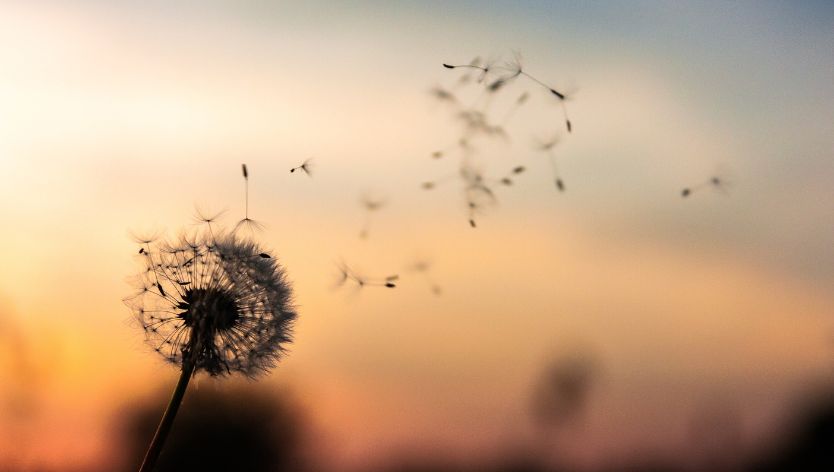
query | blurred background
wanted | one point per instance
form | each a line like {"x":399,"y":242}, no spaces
{"x":612,"y":326}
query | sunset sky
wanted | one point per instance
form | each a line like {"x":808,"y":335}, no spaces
{"x":120,"y":117}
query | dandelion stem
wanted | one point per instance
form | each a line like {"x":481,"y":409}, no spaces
{"x":167,"y":419}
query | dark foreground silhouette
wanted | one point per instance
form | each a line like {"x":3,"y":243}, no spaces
{"x":220,"y":429}
{"x":259,"y":429}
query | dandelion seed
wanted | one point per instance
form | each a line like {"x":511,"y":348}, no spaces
{"x":521,"y":100}
{"x":370,"y":205}
{"x":476,"y":122}
{"x":306,"y":167}
{"x":247,"y":223}
{"x":496,"y":85}
{"x":346,"y":274}
{"x":478,"y":193}
{"x":442,"y":94}
{"x":475,"y":64}
{"x":476,"y":186}
{"x":720,"y":182}
{"x":560,"y":96}
{"x":507,"y":180}
{"x":423,"y":267}
{"x":146,"y":237}
{"x":547,"y":146}
{"x":203,"y":216}
{"x":463,"y":80}
{"x":516,"y":69}
{"x":513,"y":66}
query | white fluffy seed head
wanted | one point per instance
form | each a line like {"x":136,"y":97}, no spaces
{"x":217,"y":301}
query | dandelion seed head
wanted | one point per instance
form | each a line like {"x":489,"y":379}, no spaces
{"x":216,"y":302}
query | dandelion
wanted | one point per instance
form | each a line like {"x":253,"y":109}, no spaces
{"x":216,"y":304}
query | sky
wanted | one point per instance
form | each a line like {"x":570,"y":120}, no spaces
{"x":120,"y":117}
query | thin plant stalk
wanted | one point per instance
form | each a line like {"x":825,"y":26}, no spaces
{"x":167,"y":419}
